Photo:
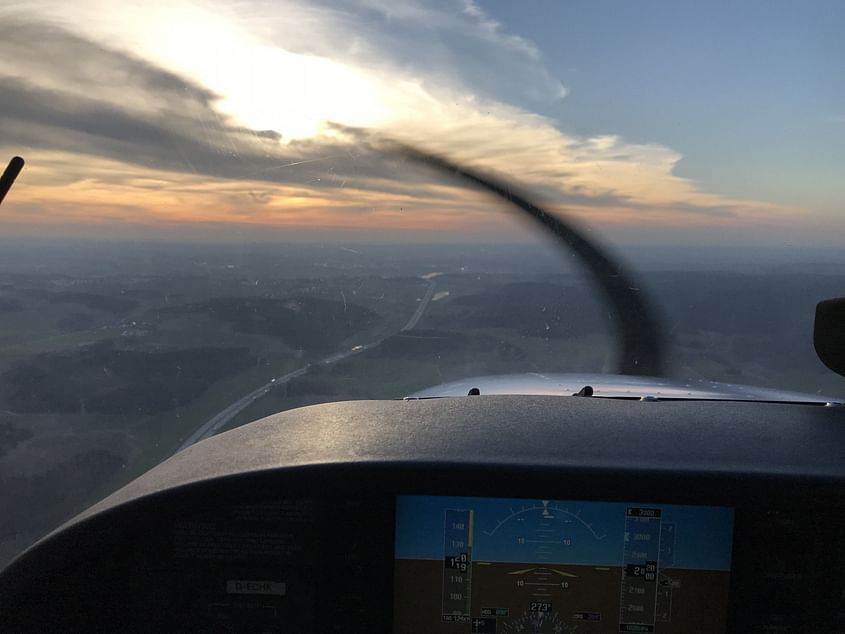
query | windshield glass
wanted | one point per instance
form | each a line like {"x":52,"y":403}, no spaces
{"x":215,"y":222}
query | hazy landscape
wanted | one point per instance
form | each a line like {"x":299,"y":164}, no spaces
{"x":112,"y":355}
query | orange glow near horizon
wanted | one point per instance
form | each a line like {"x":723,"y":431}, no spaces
{"x":113,"y":194}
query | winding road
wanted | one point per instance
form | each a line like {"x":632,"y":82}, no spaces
{"x":219,"y":421}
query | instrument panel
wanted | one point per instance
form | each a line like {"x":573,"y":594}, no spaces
{"x":339,"y":519}
{"x":440,"y":564}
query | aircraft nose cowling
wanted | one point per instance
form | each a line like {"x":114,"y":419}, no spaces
{"x":614,"y":386}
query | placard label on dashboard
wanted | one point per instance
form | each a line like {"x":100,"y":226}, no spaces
{"x":240,"y":586}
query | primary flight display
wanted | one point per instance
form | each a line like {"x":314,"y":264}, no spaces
{"x":501,"y":565}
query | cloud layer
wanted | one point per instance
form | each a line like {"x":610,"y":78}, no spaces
{"x":124,"y":122}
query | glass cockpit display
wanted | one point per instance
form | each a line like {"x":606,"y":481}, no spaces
{"x":494,"y":565}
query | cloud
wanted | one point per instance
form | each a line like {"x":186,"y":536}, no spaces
{"x":495,"y":32}
{"x":166,"y":135}
{"x":153,"y":118}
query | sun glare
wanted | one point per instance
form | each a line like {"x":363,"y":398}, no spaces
{"x":261,"y":85}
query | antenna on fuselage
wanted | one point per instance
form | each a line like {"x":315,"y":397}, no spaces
{"x":9,"y":175}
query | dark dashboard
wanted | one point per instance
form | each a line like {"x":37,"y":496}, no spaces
{"x":459,"y":515}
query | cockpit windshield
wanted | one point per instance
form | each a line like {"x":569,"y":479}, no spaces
{"x":228,"y":210}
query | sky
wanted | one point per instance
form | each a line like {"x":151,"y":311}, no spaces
{"x":645,"y":122}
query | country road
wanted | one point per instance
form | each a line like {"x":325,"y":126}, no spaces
{"x":415,"y":318}
{"x":219,"y":420}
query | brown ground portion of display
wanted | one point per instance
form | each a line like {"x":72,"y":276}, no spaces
{"x":699,"y":598}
